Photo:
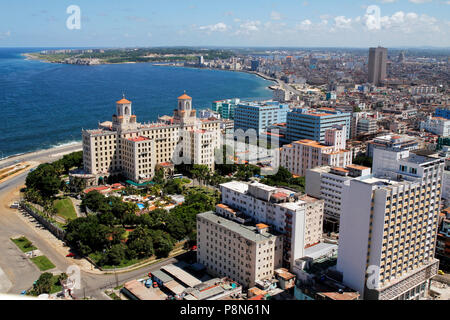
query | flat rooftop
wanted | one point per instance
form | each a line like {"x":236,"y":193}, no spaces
{"x":358,"y":167}
{"x":311,"y":143}
{"x":264,"y":186}
{"x":237,"y":186}
{"x":370,"y":179}
{"x":248,"y":232}
{"x":139,"y":290}
{"x":181,"y":275}
{"x":319,"y":250}
{"x":292,"y":205}
{"x":419,"y":158}
{"x":308,"y":198}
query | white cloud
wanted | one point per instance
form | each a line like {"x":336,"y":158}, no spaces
{"x":248,"y":27}
{"x":419,"y":1}
{"x":388,"y":1}
{"x":342,"y":22}
{"x":218,"y":27}
{"x":402,"y":22}
{"x":4,"y":35}
{"x":305,"y":25}
{"x":275,"y":15}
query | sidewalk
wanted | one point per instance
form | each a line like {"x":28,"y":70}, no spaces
{"x":5,"y":283}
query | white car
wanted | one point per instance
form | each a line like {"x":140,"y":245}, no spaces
{"x":15,"y":205}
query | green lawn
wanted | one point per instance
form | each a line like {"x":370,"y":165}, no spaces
{"x":24,"y":244}
{"x":43,"y":263}
{"x":65,"y":209}
{"x":56,"y":285}
{"x":114,"y":296}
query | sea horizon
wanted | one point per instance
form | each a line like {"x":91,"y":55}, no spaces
{"x":48,"y":104}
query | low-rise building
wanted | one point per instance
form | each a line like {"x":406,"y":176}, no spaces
{"x":436,"y":125}
{"x":392,"y":142}
{"x":302,"y":155}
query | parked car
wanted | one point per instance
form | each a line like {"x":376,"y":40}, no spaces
{"x":70,"y":255}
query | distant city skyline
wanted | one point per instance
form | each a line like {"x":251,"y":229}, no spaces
{"x":287,"y":23}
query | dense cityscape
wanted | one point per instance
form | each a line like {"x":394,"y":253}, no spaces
{"x":335,"y":189}
{"x":238,"y":159}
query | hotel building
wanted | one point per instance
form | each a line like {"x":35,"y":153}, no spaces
{"x":125,"y":146}
{"x":259,"y":116}
{"x":388,"y":228}
{"x":311,"y":124}
{"x":302,"y":155}
{"x":298,"y":217}
{"x":243,"y":253}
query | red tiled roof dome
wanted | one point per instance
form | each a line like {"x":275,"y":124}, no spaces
{"x":184,"y":97}
{"x":123,"y":101}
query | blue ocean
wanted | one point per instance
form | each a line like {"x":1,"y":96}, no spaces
{"x":44,"y":104}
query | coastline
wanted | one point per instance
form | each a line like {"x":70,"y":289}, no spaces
{"x":263,"y":76}
{"x":29,"y":56}
{"x":76,"y":145}
{"x":41,"y":154}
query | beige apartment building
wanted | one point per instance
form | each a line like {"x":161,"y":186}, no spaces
{"x":243,"y":253}
{"x":125,"y":146}
{"x":302,"y":155}
{"x":297,"y":216}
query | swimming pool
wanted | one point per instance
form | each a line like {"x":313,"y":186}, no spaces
{"x":141,"y":206}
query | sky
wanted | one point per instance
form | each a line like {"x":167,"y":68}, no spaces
{"x":241,"y":23}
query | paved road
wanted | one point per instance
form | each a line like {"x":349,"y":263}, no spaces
{"x":21,"y":272}
{"x":19,"y":269}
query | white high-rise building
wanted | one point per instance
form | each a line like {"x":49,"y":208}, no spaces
{"x":388,"y":227}
{"x":327,"y":183}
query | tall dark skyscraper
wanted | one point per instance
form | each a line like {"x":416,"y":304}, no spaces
{"x":377,"y":65}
